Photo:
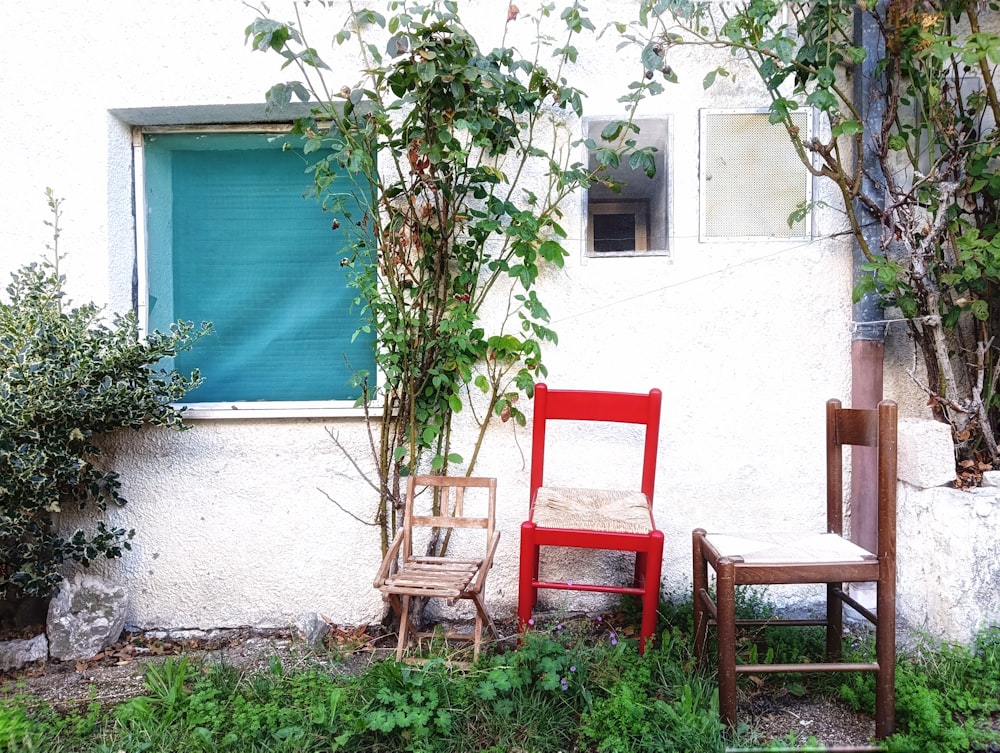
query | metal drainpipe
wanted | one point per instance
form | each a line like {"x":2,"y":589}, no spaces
{"x":868,"y":336}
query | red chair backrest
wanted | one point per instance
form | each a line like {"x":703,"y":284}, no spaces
{"x":586,"y":405}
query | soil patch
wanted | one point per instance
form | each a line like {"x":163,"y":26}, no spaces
{"x":116,"y":674}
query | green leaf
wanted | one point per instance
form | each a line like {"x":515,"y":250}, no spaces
{"x":908,"y":306}
{"x":552,"y":251}
{"x":780,"y":109}
{"x":455,"y":403}
{"x":612,"y":130}
{"x":825,"y":77}
{"x":847,"y":128}
{"x":897,"y":143}
{"x":886,"y":275}
{"x":865,"y":286}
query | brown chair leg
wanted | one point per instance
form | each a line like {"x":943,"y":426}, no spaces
{"x":726,"y":634}
{"x":885,"y":655}
{"x":482,"y":618}
{"x":834,"y":622}
{"x":477,"y":600}
{"x":477,"y":637}
{"x":700,"y":584}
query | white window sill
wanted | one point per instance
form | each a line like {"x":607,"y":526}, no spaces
{"x":318,"y":409}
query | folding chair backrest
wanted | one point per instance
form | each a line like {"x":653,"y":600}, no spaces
{"x":582,"y":405}
{"x":450,"y":506}
{"x":874,"y":428}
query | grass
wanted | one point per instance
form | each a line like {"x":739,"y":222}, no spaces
{"x":578,"y":685}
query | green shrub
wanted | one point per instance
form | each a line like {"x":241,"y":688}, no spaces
{"x":946,"y":695}
{"x":654,"y":703}
{"x":65,"y":378}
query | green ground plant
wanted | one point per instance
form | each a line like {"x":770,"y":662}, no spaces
{"x":947,"y":695}
{"x":577,"y":684}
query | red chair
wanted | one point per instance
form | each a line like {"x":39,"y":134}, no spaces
{"x":585,"y":518}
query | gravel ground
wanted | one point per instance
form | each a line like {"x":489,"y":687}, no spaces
{"x":116,"y":674}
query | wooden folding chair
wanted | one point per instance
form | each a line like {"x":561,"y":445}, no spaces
{"x":405,"y":575}
{"x":742,"y":558}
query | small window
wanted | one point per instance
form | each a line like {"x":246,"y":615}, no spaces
{"x":230,"y":238}
{"x":618,"y":226}
{"x":631,"y":218}
{"x":752,"y":180}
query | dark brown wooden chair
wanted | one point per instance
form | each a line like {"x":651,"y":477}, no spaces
{"x":755,"y":559}
{"x":405,"y":574}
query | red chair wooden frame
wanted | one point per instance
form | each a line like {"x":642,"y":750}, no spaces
{"x":616,"y":407}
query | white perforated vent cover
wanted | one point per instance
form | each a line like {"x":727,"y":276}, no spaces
{"x":751,"y":177}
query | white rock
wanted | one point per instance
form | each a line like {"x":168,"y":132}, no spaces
{"x":948,"y":560}
{"x":85,"y":615}
{"x":926,"y":453}
{"x":313,"y":628}
{"x":15,"y":654}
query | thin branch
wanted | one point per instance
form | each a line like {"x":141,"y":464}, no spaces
{"x":346,"y":511}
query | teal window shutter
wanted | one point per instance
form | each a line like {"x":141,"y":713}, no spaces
{"x":232,"y":240}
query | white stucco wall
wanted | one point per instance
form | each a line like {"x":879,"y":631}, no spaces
{"x":747,"y":340}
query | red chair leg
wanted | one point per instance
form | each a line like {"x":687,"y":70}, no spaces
{"x":639,"y":577}
{"x":527,"y":594}
{"x":535,"y":557}
{"x":653,"y":561}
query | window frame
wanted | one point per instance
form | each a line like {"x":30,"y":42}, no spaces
{"x":226,"y":409}
{"x":659,"y":193}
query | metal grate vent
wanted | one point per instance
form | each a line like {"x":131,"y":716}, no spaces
{"x":752,"y":180}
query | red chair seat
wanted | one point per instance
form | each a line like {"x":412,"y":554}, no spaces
{"x":612,"y":510}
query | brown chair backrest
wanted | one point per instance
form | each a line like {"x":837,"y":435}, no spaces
{"x":875,"y":428}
